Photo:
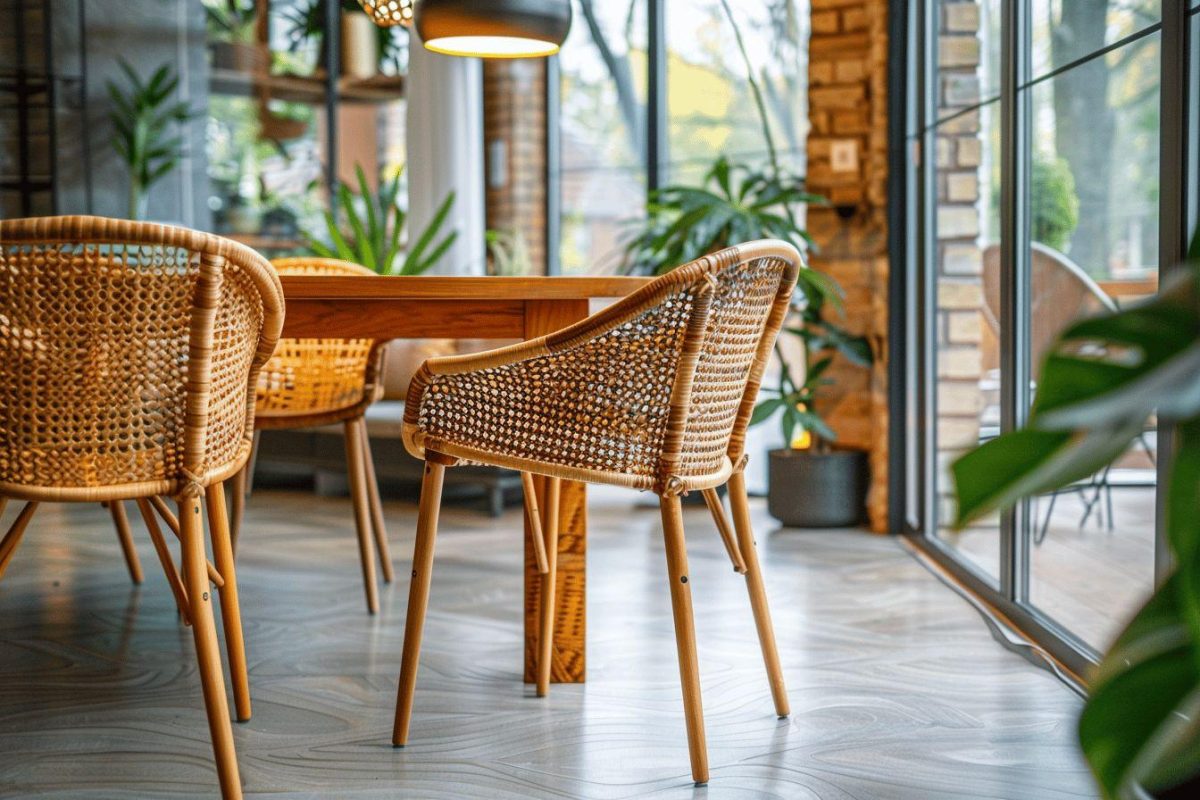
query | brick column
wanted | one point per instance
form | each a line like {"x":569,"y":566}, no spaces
{"x":847,"y":163}
{"x":514,"y":133}
{"x":960,"y":329}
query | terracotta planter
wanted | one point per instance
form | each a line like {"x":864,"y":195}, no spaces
{"x":818,"y":490}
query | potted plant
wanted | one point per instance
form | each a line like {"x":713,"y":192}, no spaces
{"x":142,"y":115}
{"x":231,"y":26}
{"x":812,"y":483}
{"x":374,"y":222}
{"x":1140,"y":728}
{"x":814,"y":486}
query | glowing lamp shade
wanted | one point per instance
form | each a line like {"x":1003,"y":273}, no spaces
{"x":493,"y":28}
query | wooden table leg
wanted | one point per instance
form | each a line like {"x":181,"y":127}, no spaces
{"x":569,"y":660}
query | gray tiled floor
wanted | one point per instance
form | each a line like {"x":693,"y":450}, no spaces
{"x":897,"y":688}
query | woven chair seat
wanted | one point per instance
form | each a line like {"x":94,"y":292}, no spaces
{"x":645,"y":394}
{"x":318,"y":381}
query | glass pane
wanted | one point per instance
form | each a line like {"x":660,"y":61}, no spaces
{"x":1065,"y":30}
{"x":603,"y":128}
{"x":710,"y":105}
{"x":967,"y":316}
{"x":968,"y":54}
{"x":1094,"y":215}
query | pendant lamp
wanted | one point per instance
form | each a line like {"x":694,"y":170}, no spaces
{"x":493,"y":28}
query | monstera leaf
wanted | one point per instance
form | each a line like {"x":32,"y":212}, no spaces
{"x":1140,"y":729}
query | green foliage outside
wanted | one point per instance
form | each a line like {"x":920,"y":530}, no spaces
{"x":1055,"y":205}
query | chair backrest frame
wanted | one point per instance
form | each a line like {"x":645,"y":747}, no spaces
{"x":213,"y":256}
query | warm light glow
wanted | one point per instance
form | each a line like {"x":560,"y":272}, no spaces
{"x":802,"y":440}
{"x":491,"y":46}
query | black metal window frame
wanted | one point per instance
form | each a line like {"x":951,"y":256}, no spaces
{"x":912,"y":239}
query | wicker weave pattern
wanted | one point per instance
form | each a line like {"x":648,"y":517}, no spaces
{"x":601,"y":405}
{"x":318,"y":381}
{"x":655,"y":392}
{"x":741,"y":302}
{"x":127,"y":349}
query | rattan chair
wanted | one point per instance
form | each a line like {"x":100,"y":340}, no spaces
{"x":128,"y":352}
{"x":653,"y":393}
{"x":312,"y":382}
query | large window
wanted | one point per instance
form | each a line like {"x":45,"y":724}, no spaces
{"x":611,"y":152}
{"x":1039,"y":193}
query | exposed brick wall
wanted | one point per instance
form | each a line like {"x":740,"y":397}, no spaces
{"x":848,"y":110}
{"x":959,"y":327}
{"x":514,"y":131}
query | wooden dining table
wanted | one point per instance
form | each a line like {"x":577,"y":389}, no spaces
{"x":419,"y":307}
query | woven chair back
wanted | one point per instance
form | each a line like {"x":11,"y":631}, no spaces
{"x":655,"y":391}
{"x":126,"y":355}
{"x":318,"y":381}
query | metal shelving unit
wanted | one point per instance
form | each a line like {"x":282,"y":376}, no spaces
{"x":34,"y":94}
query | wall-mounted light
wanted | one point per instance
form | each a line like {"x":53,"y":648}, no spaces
{"x":493,"y":28}
{"x":386,"y":13}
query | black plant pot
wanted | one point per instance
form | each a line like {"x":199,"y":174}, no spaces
{"x":818,"y":490}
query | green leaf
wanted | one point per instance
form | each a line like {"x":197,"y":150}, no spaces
{"x":437,"y":253}
{"x":816,"y":370}
{"x":1132,"y":721}
{"x":416,"y":252}
{"x":1182,"y":516}
{"x":341,"y":248}
{"x":765,"y":410}
{"x":362,"y":244}
{"x":1026,"y":462}
{"x":811,"y":421}
{"x":789,"y":424}
{"x":374,"y":234}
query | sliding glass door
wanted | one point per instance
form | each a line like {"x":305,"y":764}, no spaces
{"x":1041,"y":164}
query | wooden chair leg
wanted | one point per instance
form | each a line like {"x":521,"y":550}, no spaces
{"x":685,"y":634}
{"x":243,"y":483}
{"x":208,"y":654}
{"x":237,"y":503}
{"x":728,"y":538}
{"x":534,"y":516}
{"x":231,"y":614}
{"x":377,"y":525}
{"x":549,"y":586}
{"x":117,"y":509}
{"x":418,"y":596}
{"x":164,"y":558}
{"x":362,"y":513}
{"x":8,"y":545}
{"x":758,"y":593}
{"x":168,"y":516}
